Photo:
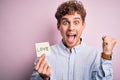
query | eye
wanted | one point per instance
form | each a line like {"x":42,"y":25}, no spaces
{"x":65,"y":22}
{"x":76,"y":22}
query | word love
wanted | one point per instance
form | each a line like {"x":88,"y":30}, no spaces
{"x":42,"y":48}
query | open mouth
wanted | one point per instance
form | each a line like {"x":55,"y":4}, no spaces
{"x":71,"y":37}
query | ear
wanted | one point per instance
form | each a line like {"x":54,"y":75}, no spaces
{"x":58,"y":26}
{"x":84,"y":24}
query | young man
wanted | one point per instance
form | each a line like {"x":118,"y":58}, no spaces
{"x":72,"y":59}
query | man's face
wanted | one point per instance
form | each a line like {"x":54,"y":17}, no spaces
{"x":71,"y":27}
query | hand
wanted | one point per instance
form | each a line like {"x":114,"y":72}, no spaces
{"x":43,"y":68}
{"x":108,"y":44}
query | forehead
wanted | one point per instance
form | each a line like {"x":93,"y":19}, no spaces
{"x":71,"y":17}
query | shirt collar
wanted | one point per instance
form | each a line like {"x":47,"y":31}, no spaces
{"x":76,"y":48}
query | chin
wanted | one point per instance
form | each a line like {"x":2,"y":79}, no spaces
{"x":71,"y":45}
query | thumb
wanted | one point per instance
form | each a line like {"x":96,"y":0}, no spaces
{"x":103,"y":38}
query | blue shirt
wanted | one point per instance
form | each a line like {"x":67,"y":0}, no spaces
{"x":82,"y":63}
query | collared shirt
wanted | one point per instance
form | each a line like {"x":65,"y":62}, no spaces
{"x":82,"y":63}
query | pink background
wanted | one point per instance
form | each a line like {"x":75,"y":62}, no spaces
{"x":25,"y":22}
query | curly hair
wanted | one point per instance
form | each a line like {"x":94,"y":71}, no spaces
{"x":70,"y":7}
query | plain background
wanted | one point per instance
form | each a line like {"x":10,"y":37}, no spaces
{"x":25,"y":22}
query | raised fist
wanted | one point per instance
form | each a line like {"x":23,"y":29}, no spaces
{"x":108,"y":44}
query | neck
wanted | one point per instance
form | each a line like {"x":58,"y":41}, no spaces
{"x":70,"y":47}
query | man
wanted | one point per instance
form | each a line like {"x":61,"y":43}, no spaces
{"x":72,"y":59}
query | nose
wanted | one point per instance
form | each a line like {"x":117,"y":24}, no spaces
{"x":71,"y":27}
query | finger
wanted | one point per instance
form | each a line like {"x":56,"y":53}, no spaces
{"x":106,"y":38}
{"x":103,"y":37}
{"x":109,"y":40}
{"x":39,"y":62}
{"x":41,"y":66}
{"x":114,"y":41}
{"x":105,"y":43}
{"x":45,"y":67}
{"x":42,"y":58}
{"x":48,"y":71}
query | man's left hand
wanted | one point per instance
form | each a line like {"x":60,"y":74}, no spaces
{"x":108,"y":44}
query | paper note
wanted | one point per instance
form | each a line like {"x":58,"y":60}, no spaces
{"x":42,"y":48}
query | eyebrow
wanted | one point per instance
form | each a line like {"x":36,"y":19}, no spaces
{"x":76,"y":18}
{"x":64,"y":19}
{"x":73,"y":18}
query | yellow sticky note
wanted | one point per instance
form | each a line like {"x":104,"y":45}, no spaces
{"x":42,"y":48}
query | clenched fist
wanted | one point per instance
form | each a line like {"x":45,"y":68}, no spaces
{"x":108,"y":44}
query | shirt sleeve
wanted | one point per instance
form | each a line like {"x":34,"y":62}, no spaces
{"x":36,"y":76}
{"x":107,"y":69}
{"x":102,"y":69}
